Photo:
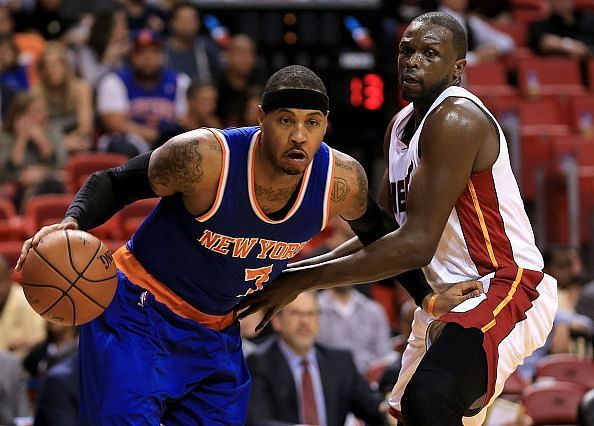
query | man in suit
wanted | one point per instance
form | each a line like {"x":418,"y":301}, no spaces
{"x":295,"y":380}
{"x":58,"y":399}
{"x":13,"y":390}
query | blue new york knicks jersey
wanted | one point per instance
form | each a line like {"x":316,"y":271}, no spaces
{"x":233,"y":249}
{"x":153,"y":105}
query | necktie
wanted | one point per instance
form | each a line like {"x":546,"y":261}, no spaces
{"x":309,"y":410}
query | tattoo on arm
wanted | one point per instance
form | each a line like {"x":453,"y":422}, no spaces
{"x":361,"y":199}
{"x":179,"y":165}
{"x":340,"y":189}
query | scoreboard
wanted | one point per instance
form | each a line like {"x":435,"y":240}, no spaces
{"x":343,"y":41}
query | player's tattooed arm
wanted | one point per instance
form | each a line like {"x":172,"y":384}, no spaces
{"x":179,"y":165}
{"x":349,"y":187}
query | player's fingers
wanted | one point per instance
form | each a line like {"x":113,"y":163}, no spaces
{"x":23,"y":255}
{"x":40,"y":234}
{"x":266,"y":319}
{"x":253,"y":308}
{"x":471,"y":286}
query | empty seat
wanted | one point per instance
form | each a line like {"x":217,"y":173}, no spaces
{"x":535,"y":151}
{"x":514,"y":386}
{"x":567,"y":368}
{"x":11,"y":225}
{"x":526,"y":11}
{"x":134,"y":214}
{"x":582,"y":114}
{"x":488,"y":79}
{"x":542,"y":116}
{"x":552,"y":403}
{"x":587,"y":5}
{"x":45,"y":209}
{"x":549,"y":76}
{"x":80,"y":166}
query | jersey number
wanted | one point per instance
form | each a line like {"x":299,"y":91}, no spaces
{"x":261,"y":275}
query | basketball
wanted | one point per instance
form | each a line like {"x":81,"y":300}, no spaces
{"x":69,"y":278}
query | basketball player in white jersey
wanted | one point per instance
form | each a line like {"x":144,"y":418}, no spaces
{"x":450,"y":185}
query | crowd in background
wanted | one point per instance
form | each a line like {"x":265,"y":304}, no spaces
{"x":126,"y":76}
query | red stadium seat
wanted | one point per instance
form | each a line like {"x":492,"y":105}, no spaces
{"x":45,"y":209}
{"x":542,"y":116}
{"x":587,"y":5}
{"x":567,"y":368}
{"x":514,"y":386}
{"x":535,"y":151}
{"x":80,"y":166}
{"x":526,"y":11}
{"x":11,"y":225}
{"x":133,"y":215}
{"x":488,"y":80}
{"x":11,"y":251}
{"x":48,"y":209}
{"x":556,"y":76}
{"x":582,"y":114}
{"x":552,"y":403}
{"x":516,"y":30}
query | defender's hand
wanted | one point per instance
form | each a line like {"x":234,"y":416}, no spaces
{"x":271,"y":299}
{"x":452,"y":297}
{"x":67,"y":223}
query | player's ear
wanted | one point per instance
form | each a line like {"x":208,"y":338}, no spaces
{"x":261,"y":115}
{"x":459,"y":69}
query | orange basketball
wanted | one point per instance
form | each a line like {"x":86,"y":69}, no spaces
{"x":70,"y":277}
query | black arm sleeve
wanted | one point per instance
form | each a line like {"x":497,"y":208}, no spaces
{"x":374,"y":224}
{"x":106,"y":192}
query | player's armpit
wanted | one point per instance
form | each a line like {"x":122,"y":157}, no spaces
{"x":185,"y":163}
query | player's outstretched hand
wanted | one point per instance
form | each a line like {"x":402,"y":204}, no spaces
{"x":271,"y":299}
{"x":32,"y":242}
{"x":455,"y":295}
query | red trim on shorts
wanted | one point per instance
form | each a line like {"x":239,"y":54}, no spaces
{"x":395,"y":413}
{"x":133,"y":269}
{"x":510,"y":307}
{"x":482,"y":224}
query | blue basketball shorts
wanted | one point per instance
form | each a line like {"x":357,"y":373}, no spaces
{"x":142,"y":364}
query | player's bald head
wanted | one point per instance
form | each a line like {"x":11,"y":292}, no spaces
{"x":459,"y":39}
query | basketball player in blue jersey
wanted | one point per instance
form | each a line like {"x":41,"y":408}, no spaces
{"x":236,"y":206}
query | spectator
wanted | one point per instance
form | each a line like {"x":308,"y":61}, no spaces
{"x":58,"y":398}
{"x":61,"y":342}
{"x":30,"y":45}
{"x":143,"y":101}
{"x":20,"y":326}
{"x":498,"y":10}
{"x":252,"y":106}
{"x":297,"y":381}
{"x":141,"y":15}
{"x":13,"y":390}
{"x":240,"y":74}
{"x":565,"y":32}
{"x":12,"y":74}
{"x":108,"y":46}
{"x":188,"y":51}
{"x":485,"y":43}
{"x":350,"y":320}
{"x":202,"y":107}
{"x":33,"y":148}
{"x":47,"y":19}
{"x":68,"y":98}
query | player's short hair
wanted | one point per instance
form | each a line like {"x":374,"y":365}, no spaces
{"x":295,"y":77}
{"x":459,"y":39}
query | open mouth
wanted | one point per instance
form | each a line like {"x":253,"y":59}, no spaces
{"x":409,"y":80}
{"x":296,"y":155}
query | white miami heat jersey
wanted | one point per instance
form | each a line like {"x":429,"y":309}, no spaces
{"x":488,"y":228}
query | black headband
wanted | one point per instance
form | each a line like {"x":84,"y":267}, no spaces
{"x":295,"y":98}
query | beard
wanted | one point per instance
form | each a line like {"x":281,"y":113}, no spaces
{"x":427,"y":94}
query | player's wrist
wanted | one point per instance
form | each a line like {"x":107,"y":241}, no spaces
{"x":429,"y":303}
